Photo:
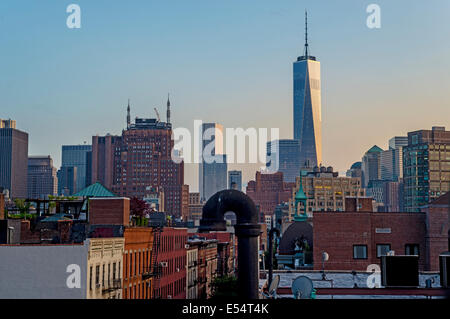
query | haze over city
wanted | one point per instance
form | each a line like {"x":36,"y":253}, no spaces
{"x":227,"y":62}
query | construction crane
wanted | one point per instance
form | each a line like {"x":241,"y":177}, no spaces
{"x":157,"y":114}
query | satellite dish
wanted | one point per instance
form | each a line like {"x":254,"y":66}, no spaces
{"x":274,"y":285}
{"x":272,"y":290}
{"x":302,"y":288}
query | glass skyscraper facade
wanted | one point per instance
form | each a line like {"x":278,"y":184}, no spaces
{"x":426,"y":167}
{"x":235,"y":180}
{"x":76,"y":156}
{"x":284,"y":156}
{"x":307,"y":109}
{"x":213,"y":167}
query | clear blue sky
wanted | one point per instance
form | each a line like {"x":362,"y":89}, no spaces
{"x":223,"y":61}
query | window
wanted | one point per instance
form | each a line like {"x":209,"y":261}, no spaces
{"x":109,"y":273}
{"x":412,"y":249}
{"x":135,"y":264}
{"x":114,"y":271}
{"x":90,"y":278}
{"x":360,"y":252}
{"x":103,"y":275}
{"x":97,"y":275}
{"x":383,"y":249}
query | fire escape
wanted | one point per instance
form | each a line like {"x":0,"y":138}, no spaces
{"x":154,"y":269}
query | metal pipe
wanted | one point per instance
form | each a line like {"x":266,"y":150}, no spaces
{"x":247,"y":231}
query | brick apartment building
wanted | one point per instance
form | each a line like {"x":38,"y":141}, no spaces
{"x":207,"y":263}
{"x":356,"y":238}
{"x":226,"y":251}
{"x":437,"y":229}
{"x":171,"y":256}
{"x":137,"y":281}
{"x":269,"y":190}
{"x":191,"y":272}
{"x":195,"y":207}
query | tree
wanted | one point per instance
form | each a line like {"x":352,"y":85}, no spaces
{"x":138,"y":207}
{"x":23,"y":207}
{"x":224,"y":287}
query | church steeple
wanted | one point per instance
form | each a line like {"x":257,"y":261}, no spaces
{"x":128,"y":115}
{"x":300,"y":197}
{"x":168,"y":108}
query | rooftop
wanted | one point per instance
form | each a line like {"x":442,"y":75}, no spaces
{"x":95,"y":190}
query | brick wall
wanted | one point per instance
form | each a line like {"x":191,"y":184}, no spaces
{"x":137,"y":263}
{"x":172,"y":251}
{"x":337,"y":232}
{"x":269,"y":190}
{"x":109,"y":211}
{"x":437,"y":238}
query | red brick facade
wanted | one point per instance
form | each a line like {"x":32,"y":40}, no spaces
{"x":438,"y":230}
{"x":226,"y":251}
{"x":137,"y":263}
{"x":337,"y":232}
{"x":109,"y":211}
{"x":172,"y":251}
{"x":52,"y":232}
{"x":269,"y":190}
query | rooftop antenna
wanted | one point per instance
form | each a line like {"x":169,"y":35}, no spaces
{"x":157,"y":114}
{"x":306,"y":34}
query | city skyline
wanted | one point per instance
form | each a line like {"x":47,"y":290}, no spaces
{"x":92,"y":89}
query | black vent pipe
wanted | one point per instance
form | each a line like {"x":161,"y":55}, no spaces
{"x":247,"y":230}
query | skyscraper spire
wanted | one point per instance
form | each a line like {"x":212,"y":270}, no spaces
{"x":168,"y":108}
{"x":306,"y":34}
{"x":128,"y":115}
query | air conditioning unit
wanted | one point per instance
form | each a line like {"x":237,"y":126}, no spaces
{"x":400,"y":271}
{"x":163,"y":264}
{"x":444,"y":266}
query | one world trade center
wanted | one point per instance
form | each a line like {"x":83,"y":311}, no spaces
{"x":307,"y":107}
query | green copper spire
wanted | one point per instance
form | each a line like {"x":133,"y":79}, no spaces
{"x":300,"y":197}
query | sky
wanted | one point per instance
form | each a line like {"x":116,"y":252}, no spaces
{"x":223,"y":61}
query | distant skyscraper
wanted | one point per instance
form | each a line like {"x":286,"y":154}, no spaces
{"x":287,"y":153}
{"x":212,"y":168}
{"x":7,"y":123}
{"x":371,"y":168}
{"x":42,"y":180}
{"x":76,"y":156}
{"x":235,"y":180}
{"x":426,"y":169}
{"x":13,"y":159}
{"x":391,"y":160}
{"x":142,"y":161}
{"x":307,"y":107}
{"x":355,"y":170}
{"x":139,"y":164}
{"x":67,"y":180}
{"x":102,"y":168}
